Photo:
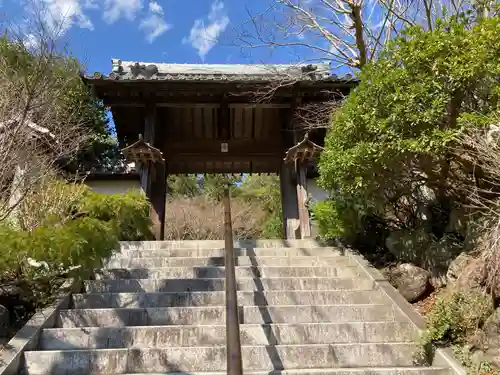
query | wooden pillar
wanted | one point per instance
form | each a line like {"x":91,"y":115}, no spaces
{"x":302,"y":196}
{"x":158,"y":200}
{"x":153,"y":175}
{"x":289,"y":203}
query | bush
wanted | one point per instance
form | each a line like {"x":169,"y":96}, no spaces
{"x":69,"y":230}
{"x":129,"y":212}
{"x":34,"y":263}
{"x":70,"y":249}
{"x":456,"y":316}
{"x":389,"y":150}
{"x":50,"y":202}
{"x":265,"y":192}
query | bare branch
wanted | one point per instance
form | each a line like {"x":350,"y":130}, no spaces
{"x":39,"y":128}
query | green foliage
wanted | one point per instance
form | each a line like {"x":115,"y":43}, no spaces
{"x":51,"y":202}
{"x":128,"y":212}
{"x":337,"y":218}
{"x":74,"y":103}
{"x":456,"y":316}
{"x":387,"y":153}
{"x":68,"y":233}
{"x":185,"y":186}
{"x":214,"y":185}
{"x":265,"y":191}
{"x":37,"y":260}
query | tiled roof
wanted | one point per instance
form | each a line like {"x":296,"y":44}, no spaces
{"x":130,"y":70}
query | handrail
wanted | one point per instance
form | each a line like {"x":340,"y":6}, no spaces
{"x":233,"y":344}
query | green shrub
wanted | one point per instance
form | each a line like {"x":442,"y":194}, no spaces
{"x":265,"y":192}
{"x":75,"y":248}
{"x":390,"y":146}
{"x":336,"y":219}
{"x":352,"y":222}
{"x":129,"y":212}
{"x":456,"y":316}
{"x":51,"y":202}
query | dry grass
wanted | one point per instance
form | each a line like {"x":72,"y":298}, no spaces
{"x":483,"y":148}
{"x":200,"y":218}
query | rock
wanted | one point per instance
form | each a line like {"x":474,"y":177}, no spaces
{"x":411,"y":281}
{"x":457,"y":266}
{"x":491,"y":329}
{"x":477,"y":358}
{"x":4,"y":320}
{"x":438,"y":278}
{"x":472,"y":277}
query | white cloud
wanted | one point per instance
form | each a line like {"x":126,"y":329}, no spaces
{"x":155,"y":7}
{"x":154,"y":24}
{"x":31,"y":42}
{"x":116,"y":9}
{"x":203,"y":38}
{"x":64,"y":13}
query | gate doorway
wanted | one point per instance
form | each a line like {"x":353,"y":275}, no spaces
{"x":196,"y":119}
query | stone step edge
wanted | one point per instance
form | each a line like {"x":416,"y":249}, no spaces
{"x":338,"y":256}
{"x":224,"y":306}
{"x":224,"y":267}
{"x":174,"y":326}
{"x":333,"y":248}
{"x":243,"y":278}
{"x":404,"y":344}
{"x":222,"y":291}
{"x":341,"y":370}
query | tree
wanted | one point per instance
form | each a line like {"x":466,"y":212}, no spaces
{"x":389,"y":153}
{"x":47,"y":115}
{"x":186,"y":186}
{"x":213,"y":185}
{"x":347,"y":33}
{"x":265,"y":192}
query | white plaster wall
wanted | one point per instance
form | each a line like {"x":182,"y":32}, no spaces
{"x":317,"y":193}
{"x":113,"y":187}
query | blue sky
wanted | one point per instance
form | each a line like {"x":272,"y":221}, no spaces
{"x":173,"y":31}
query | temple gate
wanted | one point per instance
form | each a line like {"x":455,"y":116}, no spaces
{"x":190,"y":119}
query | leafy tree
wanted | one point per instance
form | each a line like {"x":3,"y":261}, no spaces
{"x":214,"y":184}
{"x":187,"y":186}
{"x":71,"y":101}
{"x":265,"y":191}
{"x":389,"y":153}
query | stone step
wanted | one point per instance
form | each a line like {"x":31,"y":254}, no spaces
{"x":197,"y":285}
{"x":122,"y":361}
{"x":219,"y":272}
{"x":308,"y":261}
{"x":216,"y":315}
{"x":335,"y":371}
{"x":214,"y":244}
{"x":285,"y":297}
{"x":274,"y":334}
{"x":220,"y":252}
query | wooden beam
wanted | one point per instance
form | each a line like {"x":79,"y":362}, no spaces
{"x":213,"y":147}
{"x":151,"y":173}
{"x":259,"y":105}
{"x":305,"y":225}
{"x":291,"y":221}
{"x":224,"y":121}
{"x":189,"y":105}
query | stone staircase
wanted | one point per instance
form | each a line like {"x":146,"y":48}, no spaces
{"x":158,"y":307}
